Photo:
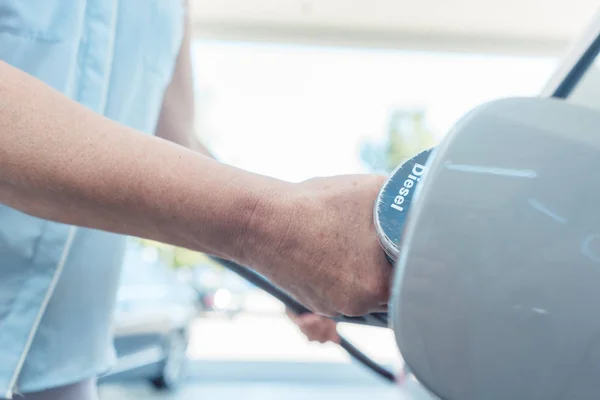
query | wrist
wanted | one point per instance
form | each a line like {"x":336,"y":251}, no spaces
{"x":265,"y":225}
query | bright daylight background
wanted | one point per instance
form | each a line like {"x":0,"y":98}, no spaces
{"x":294,"y":112}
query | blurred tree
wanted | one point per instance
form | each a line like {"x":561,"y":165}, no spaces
{"x":407,"y":135}
{"x":188,"y":258}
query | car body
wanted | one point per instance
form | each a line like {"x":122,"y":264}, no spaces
{"x":576,"y":81}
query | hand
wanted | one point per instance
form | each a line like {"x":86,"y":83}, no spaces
{"x":315,"y":327}
{"x":320,"y":245}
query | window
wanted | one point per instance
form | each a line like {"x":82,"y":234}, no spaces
{"x":587,"y":91}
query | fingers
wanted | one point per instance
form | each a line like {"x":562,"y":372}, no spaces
{"x":315,"y":327}
{"x":319,"y":329}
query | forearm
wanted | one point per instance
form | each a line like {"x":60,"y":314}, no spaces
{"x":63,"y":162}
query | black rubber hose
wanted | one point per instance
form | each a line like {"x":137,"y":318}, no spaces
{"x":378,"y":319}
{"x":372,"y":319}
{"x":366,"y":361}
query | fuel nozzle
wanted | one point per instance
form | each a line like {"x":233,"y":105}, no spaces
{"x":394,"y":201}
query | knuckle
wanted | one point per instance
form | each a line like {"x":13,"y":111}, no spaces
{"x":370,"y":293}
{"x":326,"y":312}
{"x":354,"y":310}
{"x":382,"y":288}
{"x":378,"y":287}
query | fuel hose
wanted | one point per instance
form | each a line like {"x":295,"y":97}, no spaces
{"x":372,"y":319}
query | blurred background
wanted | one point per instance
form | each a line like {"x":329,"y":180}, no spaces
{"x":302,"y":88}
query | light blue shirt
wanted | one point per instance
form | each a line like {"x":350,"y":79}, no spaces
{"x":58,"y":283}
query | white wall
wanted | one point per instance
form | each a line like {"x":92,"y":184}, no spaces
{"x":497,"y":26}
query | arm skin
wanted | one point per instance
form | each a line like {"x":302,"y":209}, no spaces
{"x":61,"y":161}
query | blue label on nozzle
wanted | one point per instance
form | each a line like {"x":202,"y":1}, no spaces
{"x":394,"y":200}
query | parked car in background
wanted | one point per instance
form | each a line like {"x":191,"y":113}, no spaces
{"x":153,"y":312}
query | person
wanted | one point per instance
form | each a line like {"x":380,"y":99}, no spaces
{"x":84,"y":85}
